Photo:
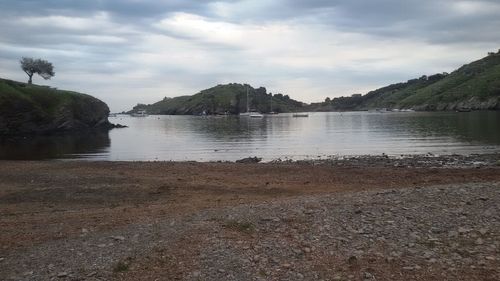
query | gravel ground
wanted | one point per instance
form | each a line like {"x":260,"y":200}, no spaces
{"x":447,"y":232}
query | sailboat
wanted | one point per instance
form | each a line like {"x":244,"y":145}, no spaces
{"x":251,"y":114}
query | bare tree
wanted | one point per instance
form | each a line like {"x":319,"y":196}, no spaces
{"x":41,"y":67}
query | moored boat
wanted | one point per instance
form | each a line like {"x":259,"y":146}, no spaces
{"x":300,"y":115}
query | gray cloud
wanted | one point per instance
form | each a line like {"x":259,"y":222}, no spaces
{"x":128,"y":50}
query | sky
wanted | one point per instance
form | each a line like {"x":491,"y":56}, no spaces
{"x":126,"y":52}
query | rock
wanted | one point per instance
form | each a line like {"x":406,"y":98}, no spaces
{"x":249,"y":160}
{"x":463,"y":230}
{"x":368,"y":276}
{"x":118,"y":238}
{"x":53,"y":111}
{"x":62,"y":274}
{"x":428,"y":254}
{"x":479,"y":241}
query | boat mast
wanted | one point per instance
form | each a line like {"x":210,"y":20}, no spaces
{"x":271,"y":102}
{"x":248,"y":106}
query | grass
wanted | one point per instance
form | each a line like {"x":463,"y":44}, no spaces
{"x":245,"y":227}
{"x":479,"y":80}
{"x":40,"y":98}
{"x":121,"y":266}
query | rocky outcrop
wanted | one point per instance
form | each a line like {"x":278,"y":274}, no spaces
{"x":31,"y":109}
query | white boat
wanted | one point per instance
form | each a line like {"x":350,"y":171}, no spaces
{"x":255,"y":115}
{"x":251,"y":114}
{"x":300,"y":115}
{"x":140,"y":113}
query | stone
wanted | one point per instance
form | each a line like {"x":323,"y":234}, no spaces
{"x":463,"y":230}
{"x":118,"y":238}
{"x":62,"y":274}
{"x":368,"y":276}
{"x":479,"y":241}
{"x":428,"y":254}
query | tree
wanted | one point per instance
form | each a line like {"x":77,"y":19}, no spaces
{"x":41,"y":67}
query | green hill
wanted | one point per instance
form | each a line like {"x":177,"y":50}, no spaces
{"x":222,"y":99}
{"x":27,"y":109}
{"x":475,"y":86}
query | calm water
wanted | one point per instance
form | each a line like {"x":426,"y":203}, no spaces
{"x":279,"y":136}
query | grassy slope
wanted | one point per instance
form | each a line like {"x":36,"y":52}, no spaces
{"x":479,"y":79}
{"x":41,"y":98}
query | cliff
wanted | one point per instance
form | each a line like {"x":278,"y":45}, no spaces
{"x":32,"y":109}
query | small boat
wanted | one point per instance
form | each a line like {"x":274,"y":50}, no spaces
{"x":300,"y":115}
{"x":140,"y":113}
{"x":255,"y":115}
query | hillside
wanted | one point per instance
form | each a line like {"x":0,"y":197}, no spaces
{"x":475,"y":86}
{"x":32,"y":109}
{"x":221,"y":99}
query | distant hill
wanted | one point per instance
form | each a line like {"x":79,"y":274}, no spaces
{"x":32,"y":109}
{"x":221,"y":99}
{"x":475,"y":86}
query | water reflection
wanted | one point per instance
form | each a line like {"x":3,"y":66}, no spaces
{"x":72,"y":146}
{"x":278,"y":136}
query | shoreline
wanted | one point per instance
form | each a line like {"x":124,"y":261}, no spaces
{"x":232,"y":221}
{"x":427,"y":160}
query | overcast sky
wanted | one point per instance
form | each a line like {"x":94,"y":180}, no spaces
{"x":130,"y":51}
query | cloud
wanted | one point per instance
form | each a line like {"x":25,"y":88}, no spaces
{"x":130,"y":51}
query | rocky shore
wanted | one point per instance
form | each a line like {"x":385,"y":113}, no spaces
{"x":359,"y":219}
